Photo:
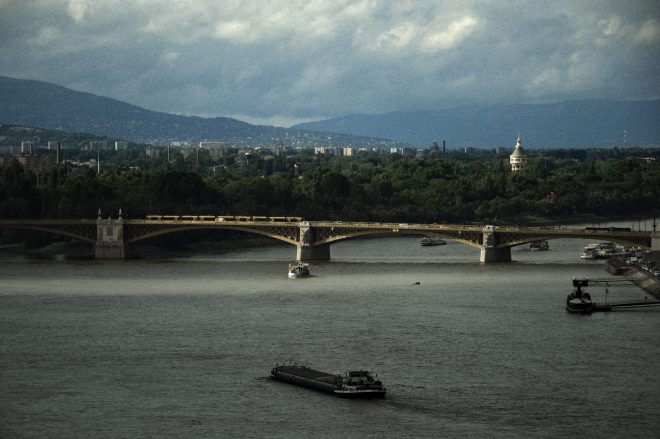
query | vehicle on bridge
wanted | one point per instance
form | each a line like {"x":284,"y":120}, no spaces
{"x":608,"y":229}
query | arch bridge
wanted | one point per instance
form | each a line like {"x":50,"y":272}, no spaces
{"x":113,"y":238}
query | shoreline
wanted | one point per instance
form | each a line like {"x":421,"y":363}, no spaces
{"x":645,"y":281}
{"x":642,"y":278}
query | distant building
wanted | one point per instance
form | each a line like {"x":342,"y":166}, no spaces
{"x":407,"y":151}
{"x":518,"y":159}
{"x":348,"y":151}
{"x":216,"y":149}
{"x":327,"y":150}
{"x":120,"y":144}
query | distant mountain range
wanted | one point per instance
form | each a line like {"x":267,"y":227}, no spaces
{"x":568,"y":124}
{"x":572,"y":124}
{"x":44,"y":105}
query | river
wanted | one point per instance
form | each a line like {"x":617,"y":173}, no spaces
{"x":183,"y":347}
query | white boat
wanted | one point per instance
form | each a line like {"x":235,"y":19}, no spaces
{"x":298,"y":269}
{"x":603,"y":250}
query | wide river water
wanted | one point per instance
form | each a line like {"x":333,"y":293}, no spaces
{"x":183,"y":347}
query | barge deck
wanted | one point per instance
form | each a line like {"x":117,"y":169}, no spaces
{"x":355,"y":384}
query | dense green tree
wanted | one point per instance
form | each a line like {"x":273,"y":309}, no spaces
{"x":441,"y":188}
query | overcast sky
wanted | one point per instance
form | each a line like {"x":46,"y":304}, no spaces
{"x":285,"y":61}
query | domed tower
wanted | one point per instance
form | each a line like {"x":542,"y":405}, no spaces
{"x":518,"y":159}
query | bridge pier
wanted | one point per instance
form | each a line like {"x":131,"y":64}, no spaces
{"x":655,"y":240}
{"x":110,"y":238}
{"x":495,"y":254}
{"x":313,"y":253}
{"x":306,"y":250}
{"x":490,"y":252}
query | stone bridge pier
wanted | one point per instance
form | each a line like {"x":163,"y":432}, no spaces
{"x":490,"y":252}
{"x":110,"y":238}
{"x":306,"y":251}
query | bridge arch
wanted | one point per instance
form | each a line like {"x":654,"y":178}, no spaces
{"x":366,"y":233}
{"x":156,"y":232}
{"x":79,"y":235}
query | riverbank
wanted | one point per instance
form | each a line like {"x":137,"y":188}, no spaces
{"x":645,"y":280}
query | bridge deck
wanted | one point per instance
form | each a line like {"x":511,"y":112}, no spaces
{"x":327,"y":232}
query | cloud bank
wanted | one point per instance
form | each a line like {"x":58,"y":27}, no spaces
{"x":282,"y":62}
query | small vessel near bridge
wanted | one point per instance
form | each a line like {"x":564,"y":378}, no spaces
{"x":354,"y":384}
{"x":298,"y":269}
{"x":431,"y":241}
{"x":539,"y":245}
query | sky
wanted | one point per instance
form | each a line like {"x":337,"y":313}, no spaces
{"x":282,"y":62}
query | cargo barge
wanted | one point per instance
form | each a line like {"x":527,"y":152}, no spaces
{"x":355,"y":384}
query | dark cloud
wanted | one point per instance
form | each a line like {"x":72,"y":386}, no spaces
{"x":282,"y":61}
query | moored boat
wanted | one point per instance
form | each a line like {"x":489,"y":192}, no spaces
{"x":603,"y":250}
{"x":579,"y":301}
{"x":298,"y":269}
{"x":355,"y":384}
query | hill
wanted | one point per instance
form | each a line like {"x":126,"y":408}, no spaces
{"x":13,"y":135}
{"x":568,"y":124}
{"x":45,"y":105}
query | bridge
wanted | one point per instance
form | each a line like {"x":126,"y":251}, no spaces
{"x":113,"y":238}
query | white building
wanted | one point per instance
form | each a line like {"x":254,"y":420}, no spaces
{"x":518,"y":159}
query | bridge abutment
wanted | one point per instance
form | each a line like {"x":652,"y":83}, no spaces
{"x":110,"y":239}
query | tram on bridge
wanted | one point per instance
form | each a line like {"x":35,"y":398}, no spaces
{"x":222,"y":218}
